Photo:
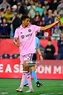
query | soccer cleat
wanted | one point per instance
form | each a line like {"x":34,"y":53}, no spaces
{"x":30,"y":91}
{"x":26,"y":85}
{"x":38,"y":84}
{"x":19,"y":89}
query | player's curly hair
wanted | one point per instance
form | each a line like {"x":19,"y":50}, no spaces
{"x":24,"y":17}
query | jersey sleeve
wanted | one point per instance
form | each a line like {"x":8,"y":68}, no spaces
{"x":37,"y":28}
{"x":16,"y":33}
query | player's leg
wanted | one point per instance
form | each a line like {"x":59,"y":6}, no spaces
{"x":20,"y":89}
{"x":26,"y":76}
{"x":32,"y":68}
{"x":33,"y":73}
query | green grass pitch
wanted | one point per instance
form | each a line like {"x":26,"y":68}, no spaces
{"x":50,"y":87}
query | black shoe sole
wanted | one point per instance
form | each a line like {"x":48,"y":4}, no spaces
{"x":19,"y":91}
{"x":39,"y":85}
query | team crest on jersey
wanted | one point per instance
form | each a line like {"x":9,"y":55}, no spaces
{"x":29,"y":30}
{"x":22,"y":36}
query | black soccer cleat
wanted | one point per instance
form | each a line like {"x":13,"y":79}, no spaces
{"x":26,"y":85}
{"x":38,"y":84}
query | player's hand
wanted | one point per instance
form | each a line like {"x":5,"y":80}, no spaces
{"x":17,"y":44}
{"x":57,"y":20}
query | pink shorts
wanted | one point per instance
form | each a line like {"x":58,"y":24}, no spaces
{"x":27,"y":57}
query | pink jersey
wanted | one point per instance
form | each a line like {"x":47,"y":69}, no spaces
{"x":26,"y":38}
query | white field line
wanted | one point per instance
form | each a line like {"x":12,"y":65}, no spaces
{"x":58,"y":93}
{"x":3,"y":93}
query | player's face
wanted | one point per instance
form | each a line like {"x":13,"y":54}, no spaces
{"x":27,"y":22}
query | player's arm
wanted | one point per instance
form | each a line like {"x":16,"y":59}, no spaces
{"x":16,"y":41}
{"x":49,"y":26}
{"x":40,"y":55}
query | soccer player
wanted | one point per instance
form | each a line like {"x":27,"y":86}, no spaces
{"x":25,"y":38}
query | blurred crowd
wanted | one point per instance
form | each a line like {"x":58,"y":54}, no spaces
{"x":41,"y":12}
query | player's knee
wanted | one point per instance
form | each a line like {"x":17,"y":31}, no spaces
{"x":25,"y":66}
